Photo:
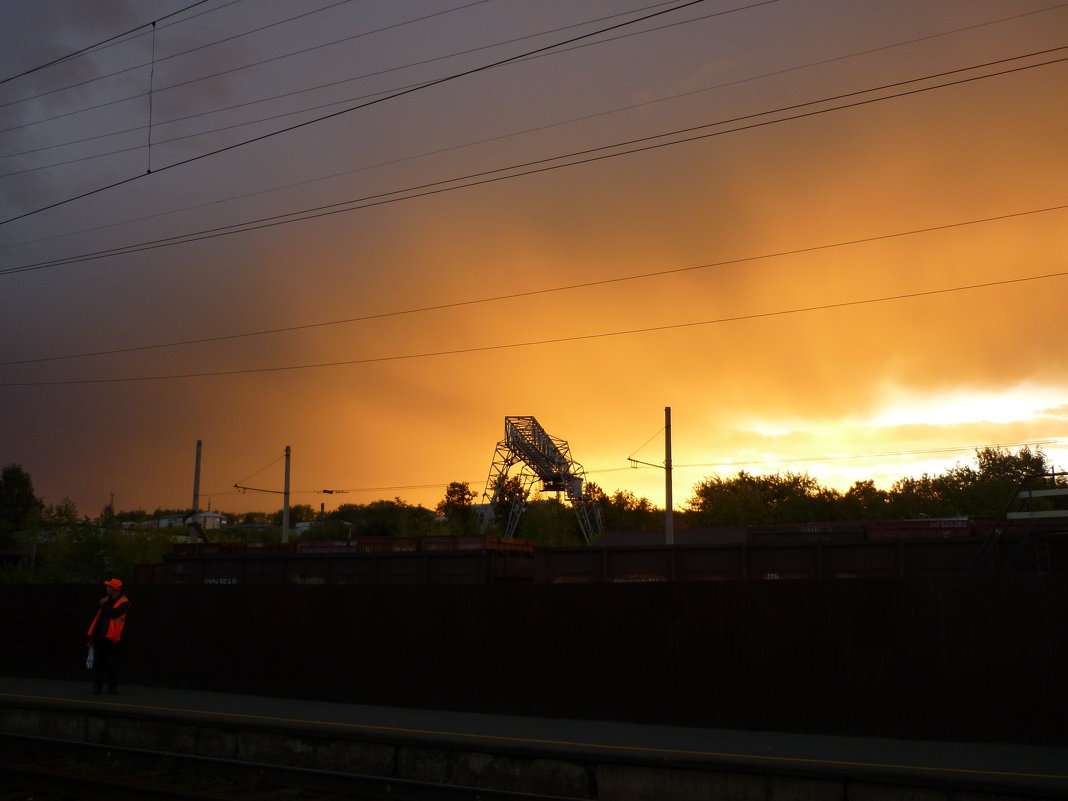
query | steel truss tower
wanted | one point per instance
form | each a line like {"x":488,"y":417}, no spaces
{"x":541,"y":458}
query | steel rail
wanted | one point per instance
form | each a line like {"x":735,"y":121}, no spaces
{"x":29,"y":762}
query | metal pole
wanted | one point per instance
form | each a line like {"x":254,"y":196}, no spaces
{"x":285,"y":503}
{"x":196,"y":483}
{"x":669,"y":513}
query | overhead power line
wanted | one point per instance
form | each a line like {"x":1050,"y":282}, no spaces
{"x":336,"y":103}
{"x":501,"y":137}
{"x":739,"y":463}
{"x":615,"y":150}
{"x":100,"y":44}
{"x":217,"y":74}
{"x":241,"y":488}
{"x":427,"y":85}
{"x":877,"y":455}
{"x":554,"y":341}
{"x":269,"y":464}
{"x":536,"y":292}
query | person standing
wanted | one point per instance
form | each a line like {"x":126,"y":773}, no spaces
{"x":105,"y":632}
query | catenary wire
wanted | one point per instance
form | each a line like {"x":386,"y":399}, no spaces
{"x":585,"y":157}
{"x":269,"y":464}
{"x":168,"y":58}
{"x":590,"y":155}
{"x":540,"y":128}
{"x":335,"y":103}
{"x":548,"y":290}
{"x":435,"y":485}
{"x":607,"y":112}
{"x":878,"y":455}
{"x":161,"y":141}
{"x":553,"y":341}
{"x":739,"y":463}
{"x":347,"y":80}
{"x":429,"y":84}
{"x":159,"y":90}
{"x":305,"y":110}
{"x":99,"y":44}
{"x":118,"y":39}
{"x":654,"y":436}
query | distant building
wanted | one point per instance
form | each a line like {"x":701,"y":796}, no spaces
{"x":209,"y":521}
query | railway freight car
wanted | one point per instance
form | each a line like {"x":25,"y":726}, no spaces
{"x":869,"y":549}
{"x":370,"y":560}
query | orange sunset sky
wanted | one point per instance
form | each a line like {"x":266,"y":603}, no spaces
{"x":831,"y":235}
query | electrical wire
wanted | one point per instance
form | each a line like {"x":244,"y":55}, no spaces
{"x":536,"y":292}
{"x":335,"y":103}
{"x":253,"y":475}
{"x":878,"y":455}
{"x":654,"y":436}
{"x":555,"y":341}
{"x":440,"y":485}
{"x":114,"y":41}
{"x":429,"y":84}
{"x":168,"y":58}
{"x":644,"y":104}
{"x":800,"y":459}
{"x":306,"y":110}
{"x":98,"y":45}
{"x":576,"y":158}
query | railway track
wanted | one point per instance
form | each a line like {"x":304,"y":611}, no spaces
{"x":44,"y":769}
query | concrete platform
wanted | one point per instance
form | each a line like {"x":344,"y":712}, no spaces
{"x":570,"y":758}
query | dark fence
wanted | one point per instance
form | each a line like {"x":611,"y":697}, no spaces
{"x":955,"y":657}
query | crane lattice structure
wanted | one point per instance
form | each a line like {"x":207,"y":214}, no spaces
{"x":541,"y":458}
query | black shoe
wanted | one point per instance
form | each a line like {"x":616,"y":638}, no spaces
{"x":113,"y":692}
{"x":97,"y":692}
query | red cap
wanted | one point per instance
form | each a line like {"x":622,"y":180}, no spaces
{"x":114,"y":583}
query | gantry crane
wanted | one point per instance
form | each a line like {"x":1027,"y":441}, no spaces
{"x":542,"y":458}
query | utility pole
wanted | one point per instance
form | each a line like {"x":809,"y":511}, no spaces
{"x":196,"y":484}
{"x":285,"y":503}
{"x":669,"y":513}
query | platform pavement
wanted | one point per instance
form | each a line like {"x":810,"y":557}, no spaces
{"x":1003,"y":768}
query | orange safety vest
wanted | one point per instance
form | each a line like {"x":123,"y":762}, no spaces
{"x":115,"y":624}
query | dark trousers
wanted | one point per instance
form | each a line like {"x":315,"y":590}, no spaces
{"x":105,"y":665}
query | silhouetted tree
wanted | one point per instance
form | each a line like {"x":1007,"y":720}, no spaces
{"x":64,"y":513}
{"x":865,"y":501}
{"x":298,"y":513}
{"x":378,"y":519}
{"x":982,"y":490}
{"x":457,"y":507}
{"x":19,"y":506}
{"x":625,"y":511}
{"x":549,"y":523}
{"x":750,"y":499}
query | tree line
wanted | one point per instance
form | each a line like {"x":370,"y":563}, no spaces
{"x":42,"y":542}
{"x":982,"y":490}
